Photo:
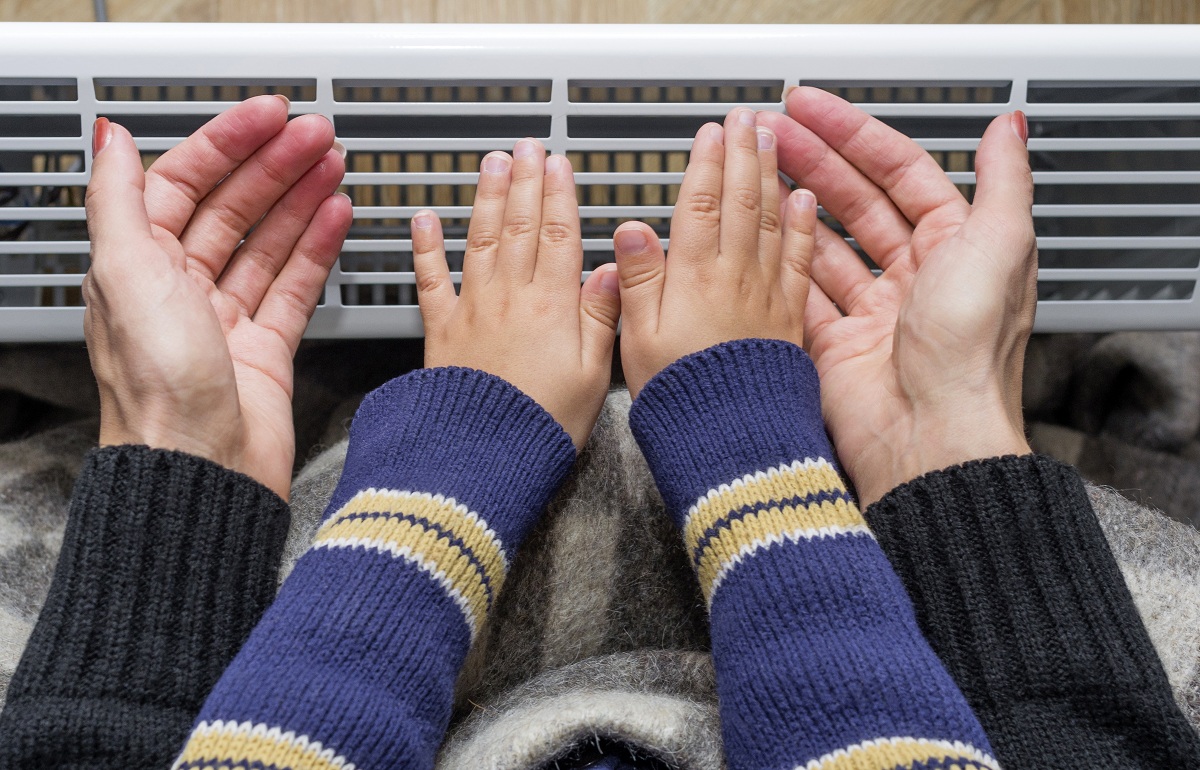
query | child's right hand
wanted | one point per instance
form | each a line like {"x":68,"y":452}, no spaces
{"x":737,"y":268}
{"x":521,"y":314}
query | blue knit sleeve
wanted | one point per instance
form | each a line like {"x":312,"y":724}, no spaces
{"x":820,"y":664}
{"x":355,"y":663}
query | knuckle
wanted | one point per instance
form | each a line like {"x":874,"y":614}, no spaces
{"x":428,"y":283}
{"x":769,"y":221}
{"x":745,"y":198}
{"x":519,"y":227}
{"x":558,"y":234}
{"x":703,"y":206}
{"x":483,"y":242}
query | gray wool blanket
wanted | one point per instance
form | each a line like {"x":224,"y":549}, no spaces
{"x":600,"y":632}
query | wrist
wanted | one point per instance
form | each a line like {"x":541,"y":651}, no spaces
{"x":933,"y":442}
{"x":168,"y":439}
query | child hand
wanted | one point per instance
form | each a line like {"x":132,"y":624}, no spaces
{"x":521,"y":314}
{"x":737,"y":268}
{"x":191,"y":332}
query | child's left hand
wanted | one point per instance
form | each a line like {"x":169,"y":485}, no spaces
{"x":521,"y":314}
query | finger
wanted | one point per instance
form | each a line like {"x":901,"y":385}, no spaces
{"x":116,"y":211}
{"x":862,"y":208}
{"x":839,"y":271}
{"x":819,"y":313}
{"x":1003,"y":182}
{"x":256,"y":264}
{"x":560,"y":244}
{"x":518,"y":255}
{"x":224,"y":217}
{"x":796,"y":249}
{"x":435,"y":290}
{"x":696,"y":222}
{"x":188,"y":172}
{"x":741,"y":190}
{"x":293,"y":295}
{"x":895,"y":163}
{"x":599,"y":312}
{"x":642,"y":269}
{"x":487,"y":220}
{"x":771,"y":217}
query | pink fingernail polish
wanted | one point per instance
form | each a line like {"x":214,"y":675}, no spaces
{"x":804,"y":200}
{"x":766,"y":138}
{"x":630,"y":241}
{"x":101,"y":133}
{"x":496,"y":163}
{"x":1020,"y":126}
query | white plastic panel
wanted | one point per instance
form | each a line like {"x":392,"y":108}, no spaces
{"x":1114,"y":136}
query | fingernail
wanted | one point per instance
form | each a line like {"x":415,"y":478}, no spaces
{"x":630,"y":241}
{"x":746,"y":117}
{"x":1020,"y":125}
{"x":555,"y":164}
{"x":610,"y":282}
{"x":101,"y":133}
{"x":804,"y":200}
{"x":347,"y":197}
{"x":788,"y":91}
{"x":423,"y":220}
{"x":766,"y":138}
{"x":339,"y":148}
{"x":496,"y":163}
{"x":286,"y":101}
{"x":716,"y":134}
{"x":526,"y":148}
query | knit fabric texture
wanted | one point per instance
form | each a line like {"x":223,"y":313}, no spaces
{"x":355,"y":663}
{"x":819,"y":660}
{"x":167,"y":563}
{"x":1051,"y":654}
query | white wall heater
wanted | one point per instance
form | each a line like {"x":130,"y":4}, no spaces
{"x":1114,"y":135}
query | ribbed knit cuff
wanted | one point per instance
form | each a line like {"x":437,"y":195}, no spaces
{"x":168,"y":561}
{"x":1017,"y":591}
{"x":733,"y":409}
{"x":463,"y":434}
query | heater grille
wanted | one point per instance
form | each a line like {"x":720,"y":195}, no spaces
{"x":1114,"y":116}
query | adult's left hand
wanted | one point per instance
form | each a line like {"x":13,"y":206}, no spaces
{"x":921,"y":367}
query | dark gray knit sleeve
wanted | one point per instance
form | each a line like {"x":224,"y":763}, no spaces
{"x":167,"y":563}
{"x":1018,"y":593}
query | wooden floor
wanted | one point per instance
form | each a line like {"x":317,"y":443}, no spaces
{"x":619,"y":11}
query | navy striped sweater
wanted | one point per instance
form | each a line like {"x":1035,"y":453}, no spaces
{"x":820,"y":664}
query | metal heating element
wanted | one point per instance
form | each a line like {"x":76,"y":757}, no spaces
{"x":1114,"y":118}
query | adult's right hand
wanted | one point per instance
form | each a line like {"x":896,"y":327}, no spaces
{"x":191,"y":332}
{"x":921,"y":367}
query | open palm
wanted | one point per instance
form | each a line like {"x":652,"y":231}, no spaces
{"x":921,"y":367}
{"x":191,"y":331}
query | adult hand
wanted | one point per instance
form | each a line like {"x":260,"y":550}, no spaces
{"x":522,"y":314}
{"x":921,"y":367}
{"x":190,"y":334}
{"x":737,"y":268}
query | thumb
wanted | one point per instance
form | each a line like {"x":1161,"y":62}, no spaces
{"x":642,"y":268}
{"x":116,"y":209}
{"x":1003,"y":181}
{"x":599,"y":312}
